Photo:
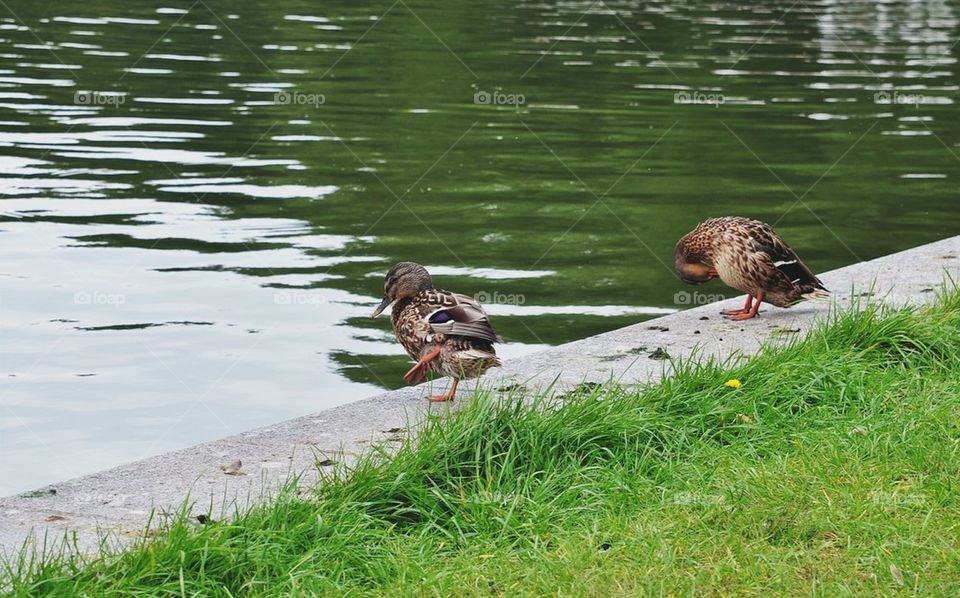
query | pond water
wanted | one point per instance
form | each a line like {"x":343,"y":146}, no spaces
{"x":199,"y":200}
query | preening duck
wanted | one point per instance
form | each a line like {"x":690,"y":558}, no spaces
{"x":748,"y":256}
{"x":443,"y":332}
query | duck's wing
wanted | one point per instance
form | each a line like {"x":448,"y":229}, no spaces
{"x":782,"y":256}
{"x":457,"y":315}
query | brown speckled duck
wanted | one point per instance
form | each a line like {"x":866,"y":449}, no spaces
{"x":746,"y":255}
{"x":443,"y":332}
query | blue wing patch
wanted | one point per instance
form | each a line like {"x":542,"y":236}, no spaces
{"x":440,"y":317}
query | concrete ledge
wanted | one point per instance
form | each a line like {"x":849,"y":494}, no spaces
{"x":120,"y":500}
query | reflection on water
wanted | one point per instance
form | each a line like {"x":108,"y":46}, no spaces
{"x":198,"y":203}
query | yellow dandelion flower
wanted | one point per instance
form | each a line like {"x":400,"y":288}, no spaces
{"x":733,"y":383}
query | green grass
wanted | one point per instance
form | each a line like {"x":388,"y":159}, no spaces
{"x":834,"y":469}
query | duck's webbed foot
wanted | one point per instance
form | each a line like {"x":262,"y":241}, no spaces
{"x":744,"y":316}
{"x":747,"y":312}
{"x":450,"y":395}
{"x":743,"y":310}
{"x":419,"y":371}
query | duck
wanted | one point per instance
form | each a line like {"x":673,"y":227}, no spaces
{"x":443,"y":332}
{"x":749,"y":256}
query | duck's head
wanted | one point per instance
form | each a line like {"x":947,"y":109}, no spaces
{"x":691,"y":263}
{"x":405,"y":279}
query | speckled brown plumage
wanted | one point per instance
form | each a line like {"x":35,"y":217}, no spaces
{"x":466,"y":340}
{"x":749,"y":256}
{"x":447,"y":333}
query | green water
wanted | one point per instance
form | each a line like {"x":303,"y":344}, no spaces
{"x":199,"y":201}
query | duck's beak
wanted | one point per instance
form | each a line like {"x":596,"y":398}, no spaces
{"x":696,"y":272}
{"x":383,"y":305}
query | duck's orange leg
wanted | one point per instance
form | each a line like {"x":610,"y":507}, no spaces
{"x":419,"y":371}
{"x":449,"y":396}
{"x":750,"y":314}
{"x":743,"y":310}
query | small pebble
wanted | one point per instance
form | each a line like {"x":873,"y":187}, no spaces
{"x":232,"y":468}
